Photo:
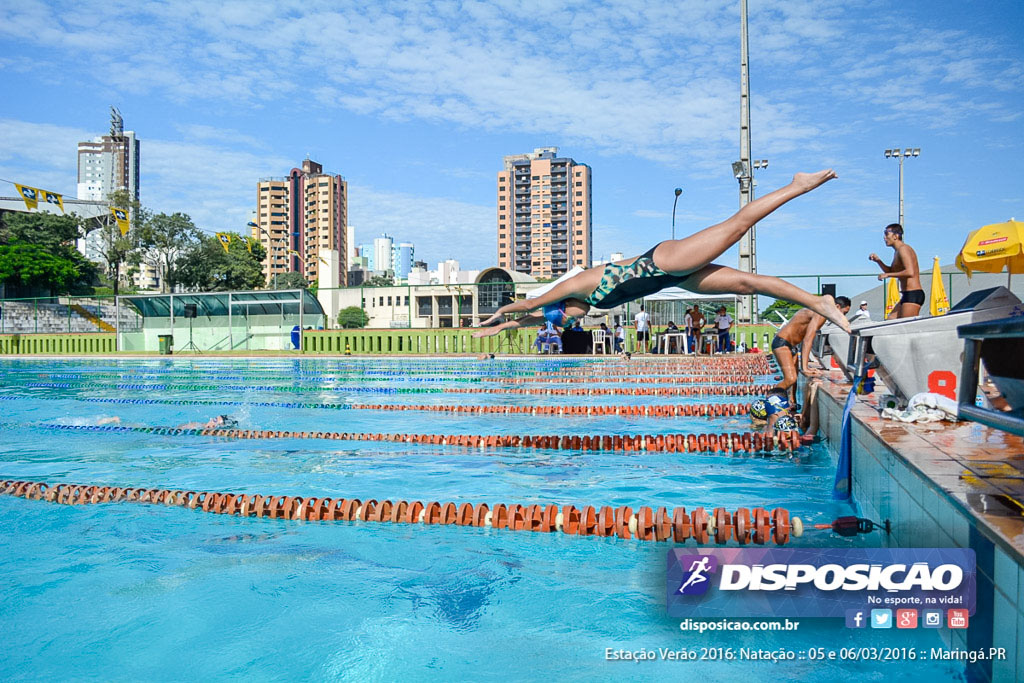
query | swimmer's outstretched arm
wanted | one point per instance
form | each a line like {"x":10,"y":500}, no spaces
{"x":526,"y":321}
{"x":579,"y":287}
{"x":519,"y":306}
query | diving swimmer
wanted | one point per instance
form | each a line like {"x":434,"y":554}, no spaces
{"x":685,"y":263}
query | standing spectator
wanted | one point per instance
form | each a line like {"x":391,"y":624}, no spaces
{"x":688,"y":328}
{"x":861,"y":313}
{"x":698,"y":326}
{"x":620,"y":337}
{"x":723,"y":321}
{"x":643,"y":329}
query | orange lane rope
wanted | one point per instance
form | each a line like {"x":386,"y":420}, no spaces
{"x":607,"y":379}
{"x":745,"y":526}
{"x":681,"y":410}
{"x":709,"y":390}
{"x":752,"y":442}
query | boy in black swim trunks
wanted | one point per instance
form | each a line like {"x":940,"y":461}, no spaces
{"x":800,"y":329}
{"x":904,"y":266}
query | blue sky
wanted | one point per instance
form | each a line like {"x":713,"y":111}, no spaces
{"x":417,"y":103}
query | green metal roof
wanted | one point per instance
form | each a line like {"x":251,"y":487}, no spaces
{"x":263,"y":302}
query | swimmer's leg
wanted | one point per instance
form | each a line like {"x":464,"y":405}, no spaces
{"x":907,"y":310}
{"x":692,"y":253}
{"x":715,"y":279}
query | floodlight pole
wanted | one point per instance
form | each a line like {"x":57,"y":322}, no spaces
{"x":746,"y":311}
{"x":899,"y":155}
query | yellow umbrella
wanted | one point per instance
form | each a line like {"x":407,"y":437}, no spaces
{"x":940,"y":302}
{"x":992,"y":247}
{"x":892,"y":295}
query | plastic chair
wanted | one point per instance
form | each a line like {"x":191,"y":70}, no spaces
{"x":600,"y":338}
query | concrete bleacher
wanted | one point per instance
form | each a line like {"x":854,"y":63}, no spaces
{"x":28,"y":317}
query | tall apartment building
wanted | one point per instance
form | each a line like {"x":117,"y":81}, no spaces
{"x":107,"y":164}
{"x":299,"y":215}
{"x":544,"y":214}
{"x":404,"y":255}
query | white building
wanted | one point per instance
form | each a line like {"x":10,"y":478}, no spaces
{"x":383,"y":253}
{"x":109,"y":163}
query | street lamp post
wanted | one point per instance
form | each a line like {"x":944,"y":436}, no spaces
{"x":679,"y":191}
{"x":895,"y":153}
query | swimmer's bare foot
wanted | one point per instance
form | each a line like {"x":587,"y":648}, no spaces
{"x":805,"y":182}
{"x":489,"y":332}
{"x":826,"y":306}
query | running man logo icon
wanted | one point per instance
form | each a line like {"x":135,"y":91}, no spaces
{"x":695,"y":580}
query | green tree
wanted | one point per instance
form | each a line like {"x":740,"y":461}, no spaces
{"x":120,"y":252}
{"x":208,"y":267}
{"x":786,"y":308}
{"x":380,"y":281}
{"x":42,"y":247}
{"x":32,"y":265}
{"x":289,"y":280}
{"x":352,"y":318}
{"x":163,"y":240}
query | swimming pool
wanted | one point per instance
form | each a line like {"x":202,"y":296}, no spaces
{"x":125,"y":591}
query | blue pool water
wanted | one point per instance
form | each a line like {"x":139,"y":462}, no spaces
{"x":128,"y":591}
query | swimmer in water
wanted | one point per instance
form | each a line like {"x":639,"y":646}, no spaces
{"x":684,"y":263}
{"x":800,"y":330}
{"x":219,"y":422}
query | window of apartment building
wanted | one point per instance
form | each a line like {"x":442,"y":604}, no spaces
{"x":501,"y":217}
{"x":579,"y":203}
{"x":579,"y":243}
{"x":579,"y":184}
{"x":579,"y":213}
{"x":579,"y":222}
{"x":501,"y":207}
{"x":502,"y":254}
{"x":382,"y":301}
{"x":389,"y":301}
{"x":536,"y":177}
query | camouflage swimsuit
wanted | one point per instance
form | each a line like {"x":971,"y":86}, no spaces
{"x":640,"y":278}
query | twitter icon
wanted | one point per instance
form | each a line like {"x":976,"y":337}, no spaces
{"x":881,"y":618}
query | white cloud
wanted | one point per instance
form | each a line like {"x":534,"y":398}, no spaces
{"x":645,"y":78}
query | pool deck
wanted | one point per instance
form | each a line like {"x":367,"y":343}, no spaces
{"x":965,"y":460}
{"x":945,"y":485}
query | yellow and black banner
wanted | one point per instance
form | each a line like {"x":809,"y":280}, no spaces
{"x":53,"y":198}
{"x":225,"y":240}
{"x":248,"y":243}
{"x":33,"y":195}
{"x":29,"y":194}
{"x":121,"y":216}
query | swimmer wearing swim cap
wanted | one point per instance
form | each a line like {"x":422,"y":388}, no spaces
{"x":759,"y":409}
{"x":780,"y":413}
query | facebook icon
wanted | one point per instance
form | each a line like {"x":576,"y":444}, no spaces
{"x":855,"y":618}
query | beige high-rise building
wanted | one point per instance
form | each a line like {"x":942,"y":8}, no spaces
{"x":544,"y":214}
{"x":299,"y":215}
